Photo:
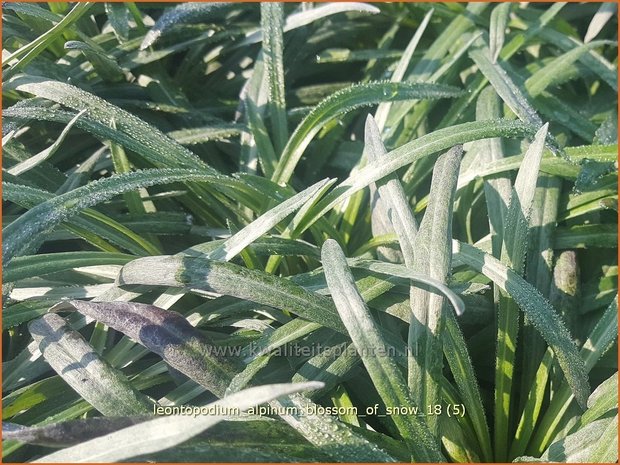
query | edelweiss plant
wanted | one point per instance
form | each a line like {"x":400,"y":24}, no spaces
{"x":333,"y":232}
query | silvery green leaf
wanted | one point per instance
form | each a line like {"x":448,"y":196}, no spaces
{"x":515,"y":244}
{"x":367,"y":339}
{"x":424,"y":146}
{"x":168,"y":431}
{"x":390,"y":200}
{"x":272,"y":22}
{"x":266,"y":222}
{"x":303,"y":18}
{"x":497,"y":29}
{"x":600,"y":339}
{"x":537,"y":308}
{"x":84,"y":370}
{"x":184,"y":13}
{"x":154,"y":145}
{"x":398,"y":75}
{"x":194,"y":273}
{"x":45,"y":216}
{"x":505,"y":87}
{"x":551,"y":73}
{"x":344,"y":101}
{"x":432,"y":257}
{"x":44,"y":154}
{"x":592,"y":442}
{"x":67,"y":433}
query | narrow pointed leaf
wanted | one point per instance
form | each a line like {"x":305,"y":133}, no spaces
{"x":601,"y":17}
{"x":367,"y":339}
{"x":497,"y":29}
{"x":165,"y":151}
{"x":44,"y":154}
{"x":81,"y":367}
{"x":266,"y":222}
{"x":504,"y":85}
{"x":392,"y":196}
{"x":344,"y":101}
{"x":184,"y":13}
{"x":537,"y":308}
{"x":169,"y":431}
{"x":67,"y":433}
{"x":549,"y":74}
{"x":17,"y":237}
{"x":303,"y":18}
{"x":432,"y":257}
{"x":515,"y":244}
{"x":272,"y":21}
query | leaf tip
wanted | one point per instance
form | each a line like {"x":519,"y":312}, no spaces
{"x":330,"y":246}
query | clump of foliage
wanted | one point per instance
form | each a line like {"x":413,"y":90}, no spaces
{"x":198,"y":197}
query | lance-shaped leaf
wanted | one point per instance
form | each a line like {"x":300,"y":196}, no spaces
{"x":266,"y":222}
{"x":405,"y":226}
{"x":424,"y":146}
{"x":515,"y":237}
{"x":262,"y":440}
{"x":256,"y":145}
{"x":169,"y":335}
{"x":497,"y":29}
{"x":184,"y":348}
{"x":432,"y":257}
{"x":344,"y":101}
{"x":601,"y":17}
{"x":383,"y":110}
{"x":43,"y":155}
{"x":91,"y":225}
{"x":368,"y":341}
{"x":602,"y":400}
{"x":392,"y":269}
{"x":164,"y":433}
{"x":158,"y":148}
{"x":41,"y":264}
{"x":535,"y":374}
{"x":381,"y":222}
{"x":510,"y":93}
{"x":551,"y":74}
{"x":201,"y":274}
{"x":604,"y":334}
{"x":390,"y":192}
{"x":596,"y":442}
{"x":306,"y":17}
{"x":538,"y":309}
{"x":183,"y":14}
{"x":82,"y":368}
{"x":30,"y":51}
{"x":19,"y":235}
{"x":455,"y":349}
{"x":67,"y":433}
{"x":496,"y":189}
{"x":592,"y":60}
{"x":272,"y":23}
